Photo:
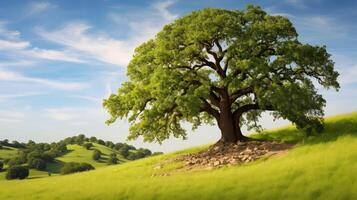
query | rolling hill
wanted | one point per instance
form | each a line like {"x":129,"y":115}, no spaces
{"x":318,"y":167}
{"x":76,"y":153}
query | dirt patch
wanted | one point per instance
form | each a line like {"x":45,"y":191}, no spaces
{"x":234,"y":154}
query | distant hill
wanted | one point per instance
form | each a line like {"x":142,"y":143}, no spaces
{"x":74,"y":150}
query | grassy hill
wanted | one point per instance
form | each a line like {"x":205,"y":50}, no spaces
{"x":76,"y":153}
{"x":79,"y":154}
{"x":320,"y":167}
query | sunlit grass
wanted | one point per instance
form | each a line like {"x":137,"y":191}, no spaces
{"x":321,"y":167}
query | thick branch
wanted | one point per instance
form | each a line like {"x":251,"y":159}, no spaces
{"x":217,"y":58}
{"x":209,"y":109}
{"x":248,"y":107}
{"x":234,"y":96}
{"x":214,"y":99}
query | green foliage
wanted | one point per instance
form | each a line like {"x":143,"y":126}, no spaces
{"x":18,"y":160}
{"x":93,"y":139}
{"x":88,"y":145}
{"x":242,"y":62}
{"x":96,"y":155}
{"x":101,"y":142}
{"x":17,"y":172}
{"x":73,"y":167}
{"x":112,"y":160}
{"x":109,"y":144}
{"x":1,"y":166}
{"x":124,"y":151}
{"x":37,"y":163}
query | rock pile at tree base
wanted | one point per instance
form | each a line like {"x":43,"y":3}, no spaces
{"x":219,"y":155}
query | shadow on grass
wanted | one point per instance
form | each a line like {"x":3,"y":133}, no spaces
{"x":334,"y":129}
{"x":55,"y":167}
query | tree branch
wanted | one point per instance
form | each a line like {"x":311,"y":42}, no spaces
{"x":209,"y":109}
{"x":248,"y":107}
{"x":234,"y":96}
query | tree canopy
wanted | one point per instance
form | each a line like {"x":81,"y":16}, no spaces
{"x":225,"y":67}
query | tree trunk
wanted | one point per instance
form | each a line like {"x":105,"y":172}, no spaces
{"x":229,"y":125}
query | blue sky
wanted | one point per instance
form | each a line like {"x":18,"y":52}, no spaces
{"x":59,"y":59}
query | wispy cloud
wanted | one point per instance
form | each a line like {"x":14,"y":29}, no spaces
{"x":49,"y":54}
{"x":6,"y":97}
{"x":163,"y":10}
{"x":13,"y":76}
{"x":39,"y":7}
{"x":320,"y":26}
{"x":11,"y":116}
{"x":88,"y":98}
{"x":348,"y":75}
{"x":17,"y":63}
{"x":12,"y":45}
{"x":74,"y":115}
{"x":62,"y":114}
{"x":75,"y":37}
{"x":5,"y":32}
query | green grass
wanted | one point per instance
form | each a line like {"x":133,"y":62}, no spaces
{"x":321,"y":167}
{"x":80,"y":154}
{"x":76,"y":153}
{"x":7,"y":152}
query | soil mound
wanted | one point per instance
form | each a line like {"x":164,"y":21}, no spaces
{"x":219,"y":155}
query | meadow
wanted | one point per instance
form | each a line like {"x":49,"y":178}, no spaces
{"x":318,"y":167}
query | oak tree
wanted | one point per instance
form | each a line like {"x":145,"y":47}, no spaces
{"x":225,"y":67}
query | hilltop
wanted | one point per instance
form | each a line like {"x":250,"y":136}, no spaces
{"x":318,"y":167}
{"x":53,"y":156}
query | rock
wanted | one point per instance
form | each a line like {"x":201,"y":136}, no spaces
{"x":245,"y":157}
{"x":232,"y":161}
{"x":230,"y":155}
{"x":189,"y":163}
{"x":248,"y":151}
{"x":241,"y":144}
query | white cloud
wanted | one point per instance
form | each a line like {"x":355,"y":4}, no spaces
{"x":162,"y":8}
{"x":62,"y":114}
{"x":321,"y":22}
{"x":348,"y":75}
{"x":11,"y":116}
{"x":5,"y":44}
{"x":5,"y":97}
{"x":75,"y":115}
{"x":5,"y":32}
{"x":89,"y":98}
{"x":17,"y":63}
{"x":39,"y":7}
{"x":13,"y":76}
{"x":11,"y":44}
{"x":76,"y":38}
{"x":48,"y":54}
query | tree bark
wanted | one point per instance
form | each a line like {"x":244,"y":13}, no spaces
{"x":229,"y":124}
{"x":230,"y":130}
